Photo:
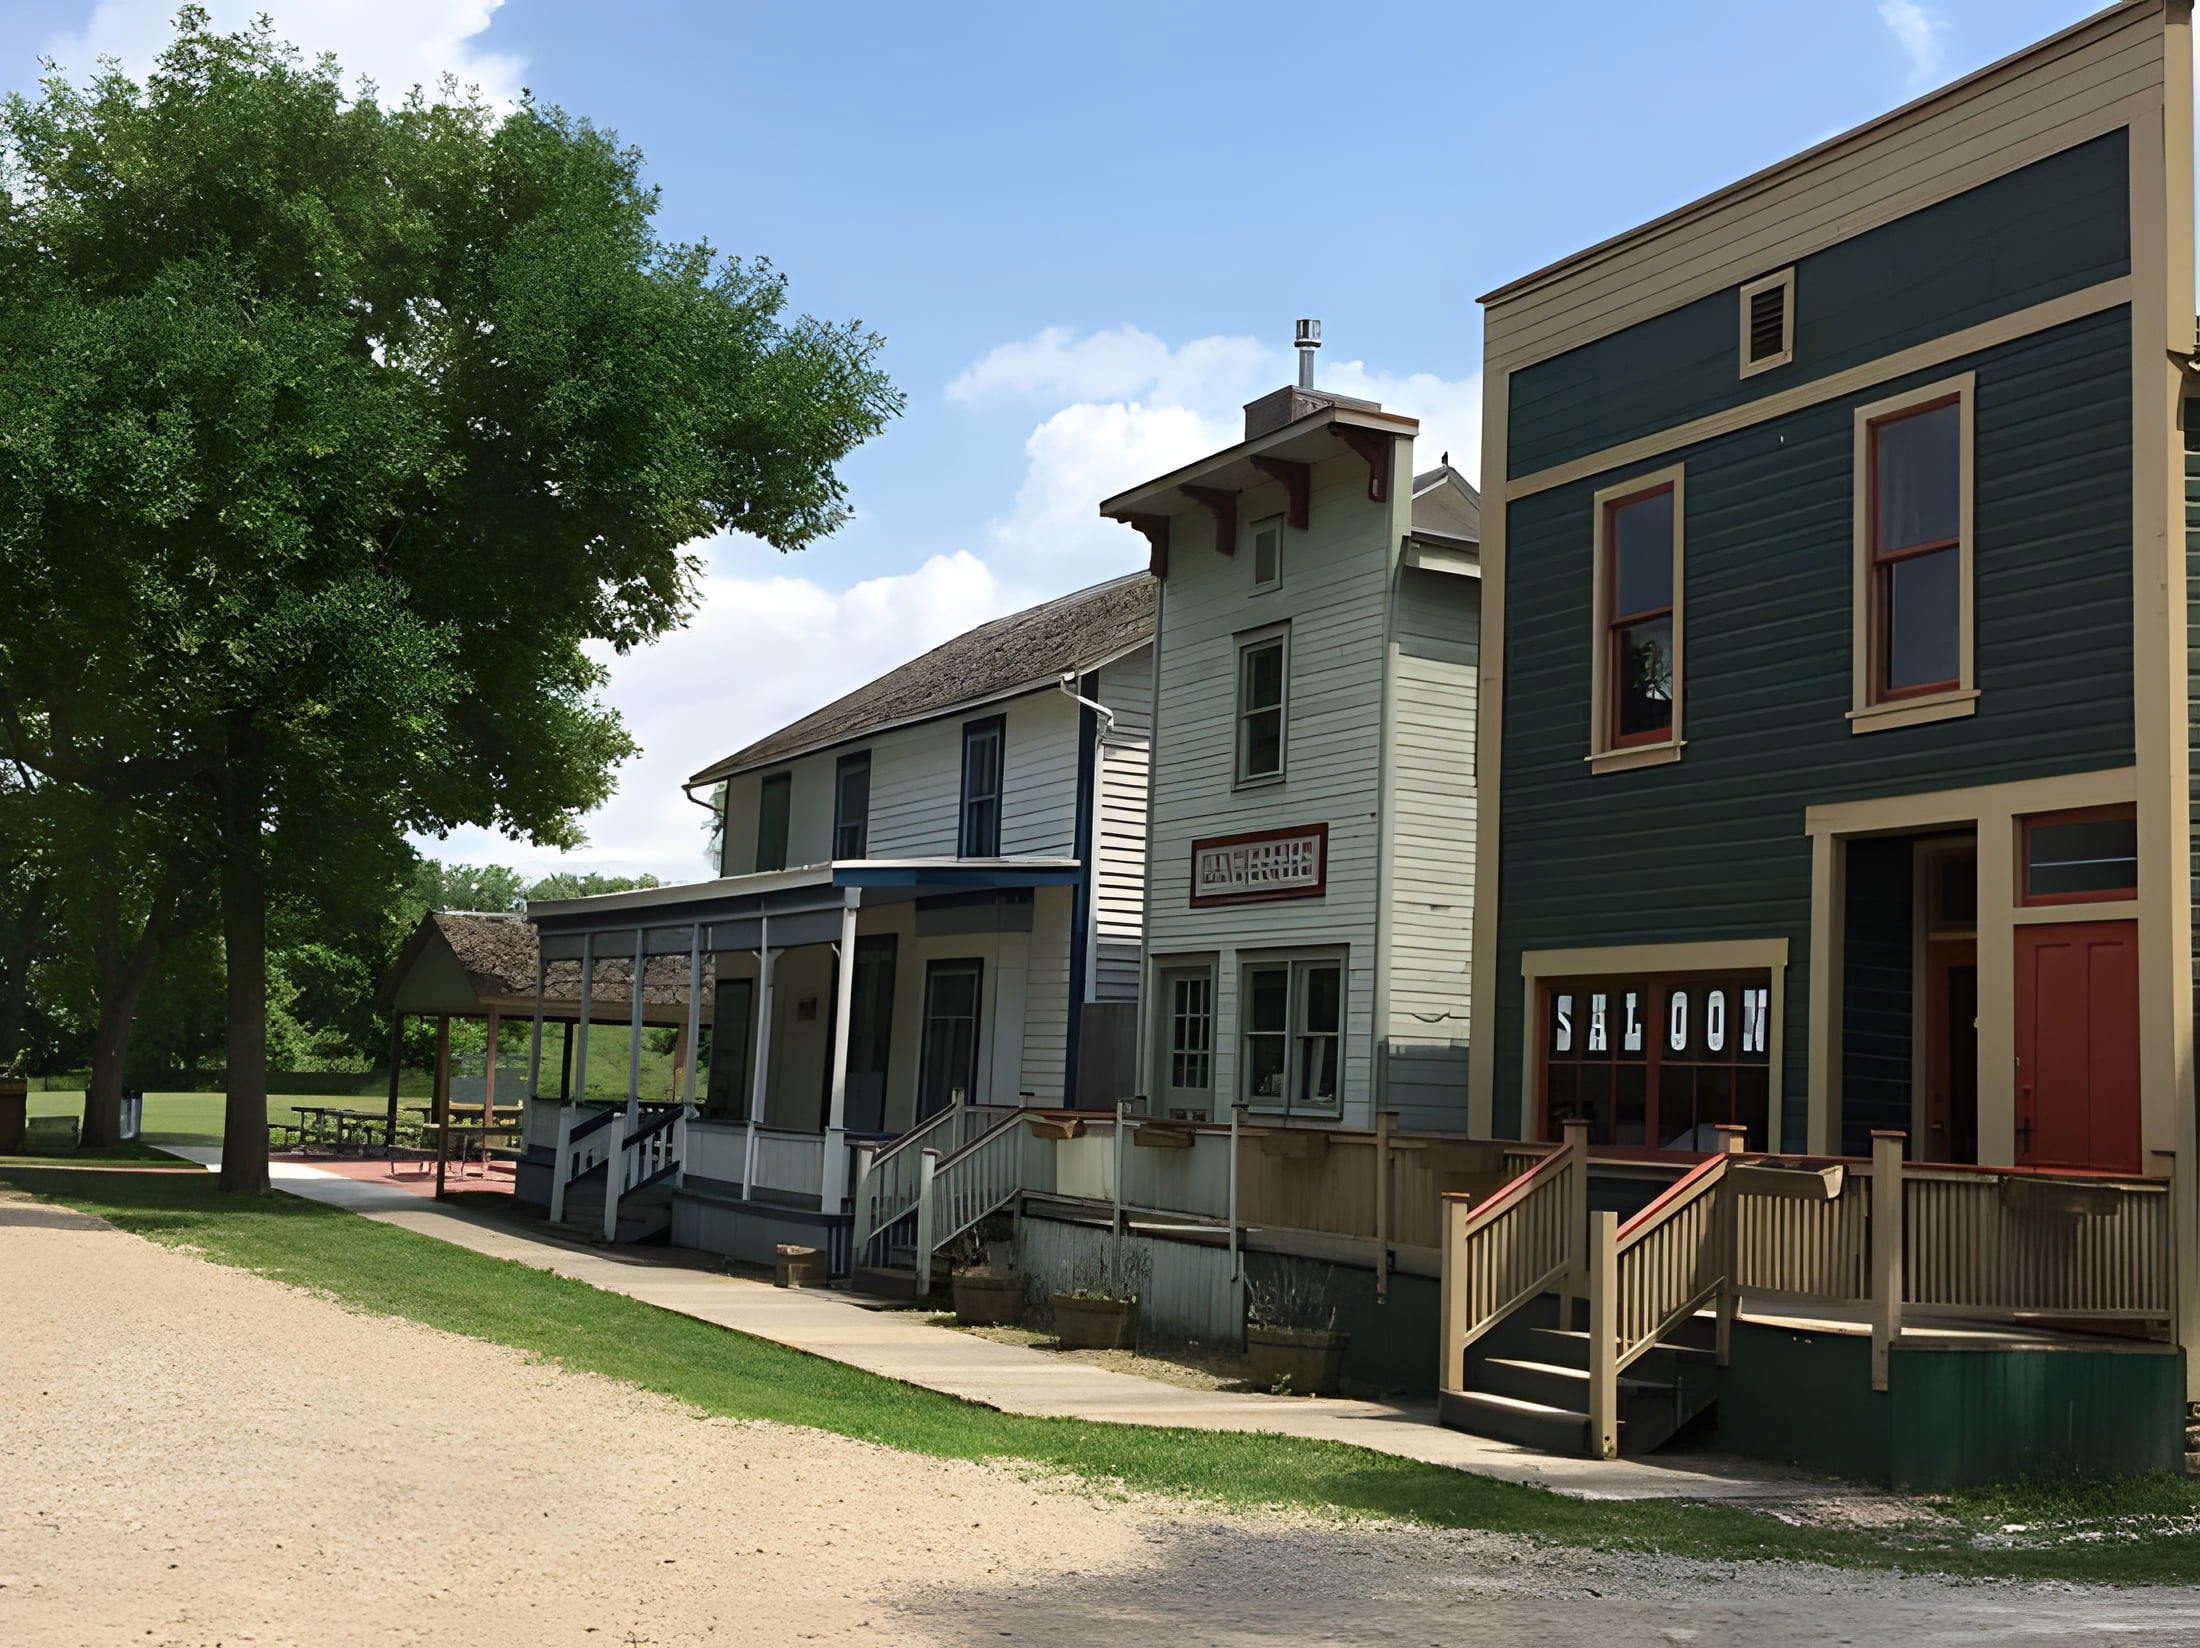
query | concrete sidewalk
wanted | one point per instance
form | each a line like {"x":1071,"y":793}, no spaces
{"x":900,"y":1345}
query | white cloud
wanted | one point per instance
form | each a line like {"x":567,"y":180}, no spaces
{"x":761,"y":652}
{"x":396,"y":43}
{"x":1139,"y":407}
{"x":1922,"y":33}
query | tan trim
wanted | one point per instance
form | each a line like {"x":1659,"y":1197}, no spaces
{"x":1639,"y":755}
{"x":2161,"y":185}
{"x":1964,"y":387}
{"x":2038,"y":915}
{"x":1489,"y":766}
{"x":1601,"y":749}
{"x":1784,"y":282}
{"x":1833,"y":386}
{"x":1971,"y":87}
{"x":1930,"y":809}
{"x":1912,"y":712}
{"x":1995,"y":812}
{"x":1159,"y":495}
{"x":1701,"y":956}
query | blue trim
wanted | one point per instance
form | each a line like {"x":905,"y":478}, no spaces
{"x":1080,"y":914}
{"x":947,"y":875}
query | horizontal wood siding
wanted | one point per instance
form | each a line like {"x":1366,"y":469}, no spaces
{"x":1712,"y":847}
{"x":1046,"y":996}
{"x":1334,"y":595}
{"x":2092,"y":80}
{"x":1431,"y":785}
{"x":2054,"y":227}
{"x":1125,"y":767}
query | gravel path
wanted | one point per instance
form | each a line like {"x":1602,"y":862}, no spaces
{"x":193,"y":1457}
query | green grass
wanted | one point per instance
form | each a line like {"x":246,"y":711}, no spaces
{"x":379,"y":1268}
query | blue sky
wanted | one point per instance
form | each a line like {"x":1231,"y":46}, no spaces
{"x":1085,"y":231}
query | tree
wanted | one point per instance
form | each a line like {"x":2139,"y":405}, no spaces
{"x":336,"y":429}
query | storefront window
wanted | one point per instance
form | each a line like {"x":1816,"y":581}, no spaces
{"x":1658,"y":1061}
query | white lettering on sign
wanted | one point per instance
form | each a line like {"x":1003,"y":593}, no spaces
{"x":1596,"y":1024}
{"x":1714,"y":1022}
{"x":1563,"y":1037}
{"x":1676,"y":1021}
{"x":1285,"y":864}
{"x":1633,"y":1041}
{"x":1756,"y":1012}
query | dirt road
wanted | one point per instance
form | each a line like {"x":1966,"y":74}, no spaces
{"x":192,"y":1457}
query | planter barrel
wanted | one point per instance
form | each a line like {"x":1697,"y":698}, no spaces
{"x":1307,"y":1361}
{"x":989,"y":1299}
{"x":1095,"y":1324}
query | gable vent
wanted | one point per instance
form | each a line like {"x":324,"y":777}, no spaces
{"x":1768,"y":322}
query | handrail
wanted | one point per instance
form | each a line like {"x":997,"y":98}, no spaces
{"x":1668,"y":1201}
{"x":1524,"y":1239}
{"x":1011,"y":1119}
{"x":1480,"y":1213}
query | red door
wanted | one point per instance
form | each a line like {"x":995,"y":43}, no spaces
{"x":2078,"y":1044}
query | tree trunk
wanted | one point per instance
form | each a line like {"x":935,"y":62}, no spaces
{"x":244,"y":939}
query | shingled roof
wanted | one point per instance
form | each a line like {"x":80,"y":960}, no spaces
{"x":494,"y":957}
{"x":1024,"y":650}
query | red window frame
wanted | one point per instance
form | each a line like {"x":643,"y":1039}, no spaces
{"x":1615,"y":621}
{"x":2073,"y":815}
{"x":1883,"y":562}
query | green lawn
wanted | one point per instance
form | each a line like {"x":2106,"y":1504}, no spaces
{"x":378,"y":1268}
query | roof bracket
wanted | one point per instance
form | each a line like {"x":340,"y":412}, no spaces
{"x":1298,"y":487}
{"x":1376,"y":450}
{"x":1155,"y":529}
{"x":1222,"y":504}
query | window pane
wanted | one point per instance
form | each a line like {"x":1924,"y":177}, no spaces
{"x":1324,"y":996}
{"x":1264,"y":1066}
{"x":2099,"y":855}
{"x":1924,"y":619}
{"x":1262,"y":677}
{"x":1317,"y":1070}
{"x":1917,"y":470}
{"x":1642,"y":554}
{"x":1268,"y":999}
{"x":771,"y":822}
{"x":1267,"y":554}
{"x":1263,"y":741}
{"x":1642,"y":657}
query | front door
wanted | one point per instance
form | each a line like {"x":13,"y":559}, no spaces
{"x":948,"y":1067}
{"x":2078,"y":1044}
{"x":1185,"y":1033}
{"x":870,"y":1032}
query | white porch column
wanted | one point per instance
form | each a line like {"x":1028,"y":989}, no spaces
{"x":634,"y":1032}
{"x":833,"y":1182}
{"x":534,"y":1040}
{"x":761,"y":1050}
{"x":587,"y":1012}
{"x":489,"y":1082}
{"x":695,"y":1014}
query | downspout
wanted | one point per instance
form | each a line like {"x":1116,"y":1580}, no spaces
{"x":1094,"y":722}
{"x":711,"y":807}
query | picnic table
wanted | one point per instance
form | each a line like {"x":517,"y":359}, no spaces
{"x":461,"y":1143}
{"x":340,"y":1127}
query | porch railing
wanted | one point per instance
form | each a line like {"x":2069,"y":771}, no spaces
{"x":958,"y":1190}
{"x":889,"y":1180}
{"x":652,"y":1143}
{"x":793,"y":1163}
{"x":1521,"y":1241}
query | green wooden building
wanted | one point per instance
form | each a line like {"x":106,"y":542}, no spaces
{"x":1835,"y":729}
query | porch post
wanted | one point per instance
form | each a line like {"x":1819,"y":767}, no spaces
{"x":489,"y":1081}
{"x":1385,"y":1120}
{"x":441,"y":1102}
{"x":634,"y":1032}
{"x":588,"y":1011}
{"x":761,"y":1042}
{"x":1577,"y":1220}
{"x":833,"y":1190}
{"x":534,"y":1038}
{"x":1887,"y":1245}
{"x":695,"y":1014}
{"x":397,"y":1058}
{"x":1604,"y":1335}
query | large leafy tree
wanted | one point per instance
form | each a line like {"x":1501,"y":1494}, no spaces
{"x":331,"y":430}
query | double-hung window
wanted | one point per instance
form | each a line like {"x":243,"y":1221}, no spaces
{"x":1913,"y":545}
{"x":773,"y":799}
{"x":1635,"y":710}
{"x":981,"y":788}
{"x":852,"y":806}
{"x":1262,"y":703}
{"x":1293,"y":1027}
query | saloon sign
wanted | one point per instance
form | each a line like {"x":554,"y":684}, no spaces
{"x":1261,"y":866}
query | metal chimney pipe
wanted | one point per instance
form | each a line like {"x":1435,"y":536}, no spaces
{"x":1309,"y":340}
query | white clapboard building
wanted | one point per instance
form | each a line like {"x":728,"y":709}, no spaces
{"x":1310,"y":876}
